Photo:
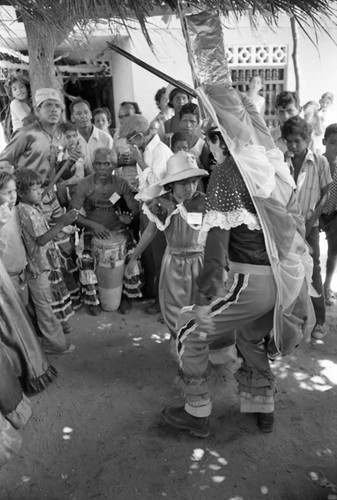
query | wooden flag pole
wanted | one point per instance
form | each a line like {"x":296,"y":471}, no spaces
{"x":153,"y":70}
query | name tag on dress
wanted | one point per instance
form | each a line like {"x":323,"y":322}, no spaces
{"x":114,"y":198}
{"x":194,"y":218}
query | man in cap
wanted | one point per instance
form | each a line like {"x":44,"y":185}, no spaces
{"x":36,"y":145}
{"x":151,"y":155}
{"x":91,"y":137}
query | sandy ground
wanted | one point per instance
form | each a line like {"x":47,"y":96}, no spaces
{"x":96,"y":432}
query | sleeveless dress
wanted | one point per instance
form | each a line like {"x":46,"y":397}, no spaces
{"x":183,"y":257}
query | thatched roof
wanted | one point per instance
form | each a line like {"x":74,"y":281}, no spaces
{"x":313,"y":13}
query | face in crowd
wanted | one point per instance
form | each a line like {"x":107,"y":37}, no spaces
{"x":103,"y":165}
{"x":49,"y":112}
{"x":124,"y":113}
{"x":81,"y":115}
{"x":283,"y":113}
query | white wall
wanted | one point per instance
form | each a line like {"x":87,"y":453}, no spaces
{"x":318,"y":70}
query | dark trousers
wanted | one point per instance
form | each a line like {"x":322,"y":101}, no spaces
{"x":318,"y":302}
{"x":151,"y":261}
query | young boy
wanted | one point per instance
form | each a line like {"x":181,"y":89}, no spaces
{"x":329,"y":215}
{"x":312,"y":176}
{"x":287,"y":105}
{"x":77,"y":169}
{"x":189,"y":124}
{"x":12,"y":251}
{"x":43,"y":270}
{"x":179,"y":142}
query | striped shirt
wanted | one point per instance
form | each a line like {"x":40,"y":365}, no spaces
{"x":313,"y":177}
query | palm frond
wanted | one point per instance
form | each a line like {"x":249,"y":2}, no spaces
{"x":307,"y":13}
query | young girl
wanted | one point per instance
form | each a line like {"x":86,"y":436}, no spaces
{"x":18,"y":89}
{"x":12,"y":251}
{"x":102,"y":119}
{"x":43,"y":271}
{"x":179,"y":214}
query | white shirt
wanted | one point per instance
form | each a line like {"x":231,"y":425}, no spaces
{"x":98,"y":139}
{"x":155,"y":156}
{"x":19,"y":110}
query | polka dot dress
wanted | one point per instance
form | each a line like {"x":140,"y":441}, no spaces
{"x":226,"y":191}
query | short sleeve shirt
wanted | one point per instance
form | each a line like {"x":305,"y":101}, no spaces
{"x":34,"y":224}
{"x":98,"y":202}
{"x":313,"y":177}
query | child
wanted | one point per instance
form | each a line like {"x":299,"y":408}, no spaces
{"x":179,"y":142}
{"x":65,"y":242}
{"x":18,"y":89}
{"x":12,"y":251}
{"x":78,"y":168}
{"x":189,"y":124}
{"x":329,"y":215}
{"x":324,"y":116}
{"x":287,"y":105}
{"x":178,"y":213}
{"x":43,"y":270}
{"x":311,"y":173}
{"x":102,"y":119}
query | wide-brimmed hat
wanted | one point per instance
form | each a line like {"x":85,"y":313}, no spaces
{"x":44,"y":94}
{"x":135,"y":124}
{"x":180,"y":166}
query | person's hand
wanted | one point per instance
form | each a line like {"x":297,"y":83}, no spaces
{"x":100,"y":231}
{"x":5,"y":213}
{"x":69,"y":217}
{"x":125,"y":219}
{"x":124,"y":158}
{"x":129,"y":268}
{"x":308,"y":227}
{"x":75,"y":155}
{"x":135,"y":153}
{"x":205,"y":324}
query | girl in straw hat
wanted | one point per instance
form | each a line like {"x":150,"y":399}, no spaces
{"x":178,"y":213}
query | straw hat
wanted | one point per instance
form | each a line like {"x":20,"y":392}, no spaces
{"x":182,"y":166}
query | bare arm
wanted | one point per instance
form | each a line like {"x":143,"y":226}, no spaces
{"x":146,"y":238}
{"x":98,"y":229}
{"x":318,"y":210}
{"x":49,"y":235}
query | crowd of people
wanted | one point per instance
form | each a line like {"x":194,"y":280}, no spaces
{"x":162,"y":210}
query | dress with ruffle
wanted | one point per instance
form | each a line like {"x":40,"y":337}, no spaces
{"x":15,"y":408}
{"x":19,"y":341}
{"x":183,"y":257}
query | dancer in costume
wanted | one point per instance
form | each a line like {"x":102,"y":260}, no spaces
{"x":15,"y":409}
{"x":246,"y":301}
{"x":178,"y":213}
{"x":19,"y":341}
